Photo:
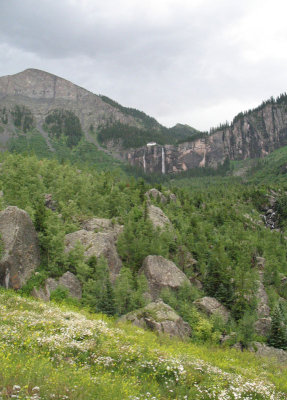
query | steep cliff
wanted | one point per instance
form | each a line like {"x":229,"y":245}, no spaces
{"x":253,"y":134}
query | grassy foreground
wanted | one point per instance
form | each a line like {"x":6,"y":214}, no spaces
{"x":51,"y":352}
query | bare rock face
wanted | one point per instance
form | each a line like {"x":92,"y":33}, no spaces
{"x":42,"y":92}
{"x":158,"y":218}
{"x":68,"y":281}
{"x":159,"y":317}
{"x":211,"y":306}
{"x":103,"y":225}
{"x":249,"y":136}
{"x":156,"y":194}
{"x":263,"y":326}
{"x":263,"y":310}
{"x":267,"y":351}
{"x":21,"y":252}
{"x":162,"y":273}
{"x":97,"y":244}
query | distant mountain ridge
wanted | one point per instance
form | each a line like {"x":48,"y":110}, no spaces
{"x":61,"y":110}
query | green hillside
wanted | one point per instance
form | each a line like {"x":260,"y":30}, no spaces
{"x":55,"y":352}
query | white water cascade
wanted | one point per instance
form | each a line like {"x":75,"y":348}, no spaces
{"x":144,"y":163}
{"x":162,"y":161}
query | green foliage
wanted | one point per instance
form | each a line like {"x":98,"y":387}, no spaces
{"x":4,"y":115}
{"x":22,"y":118}
{"x":147,"y":121}
{"x":59,"y":294}
{"x":64,"y":125}
{"x":278,"y":334}
{"x":129,"y":291}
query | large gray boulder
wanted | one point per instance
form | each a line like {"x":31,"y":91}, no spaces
{"x":211,"y":306}
{"x":21,"y":252}
{"x":68,"y":280}
{"x":96,"y":244}
{"x":158,"y":218}
{"x":162,"y":273}
{"x":159,"y":317}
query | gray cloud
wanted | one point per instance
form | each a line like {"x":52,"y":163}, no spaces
{"x":198,"y":61}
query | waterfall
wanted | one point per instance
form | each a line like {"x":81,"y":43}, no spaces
{"x":144,"y":163}
{"x":162,"y":161}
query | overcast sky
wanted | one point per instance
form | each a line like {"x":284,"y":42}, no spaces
{"x":198,"y":62}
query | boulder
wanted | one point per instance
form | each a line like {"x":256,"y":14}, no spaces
{"x":158,"y":218}
{"x":96,"y":244}
{"x":211,"y":306}
{"x":68,"y":281}
{"x":267,"y":351}
{"x":156,"y":194}
{"x":263,"y":326}
{"x":103,"y":225}
{"x":162,"y":273}
{"x":21,"y":251}
{"x":159,"y":317}
{"x":41,"y":293}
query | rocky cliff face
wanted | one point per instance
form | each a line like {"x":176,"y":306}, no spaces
{"x":42,"y":92}
{"x":253,"y":135}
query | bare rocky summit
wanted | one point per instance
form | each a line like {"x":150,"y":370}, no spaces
{"x":42,"y":92}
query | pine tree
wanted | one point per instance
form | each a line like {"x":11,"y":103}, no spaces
{"x":278,"y":334}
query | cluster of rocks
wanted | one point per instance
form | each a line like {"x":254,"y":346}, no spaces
{"x":160,"y":197}
{"x":270,"y":216}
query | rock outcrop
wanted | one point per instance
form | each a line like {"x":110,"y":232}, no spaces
{"x":98,"y":243}
{"x":263,"y":326}
{"x":159,"y":317}
{"x":68,"y":280}
{"x":21,"y":252}
{"x":103,"y":225}
{"x":211,"y":306}
{"x":158,"y":217}
{"x":266,"y":351}
{"x":263,"y":309}
{"x":162,"y":273}
{"x":157,"y":195}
